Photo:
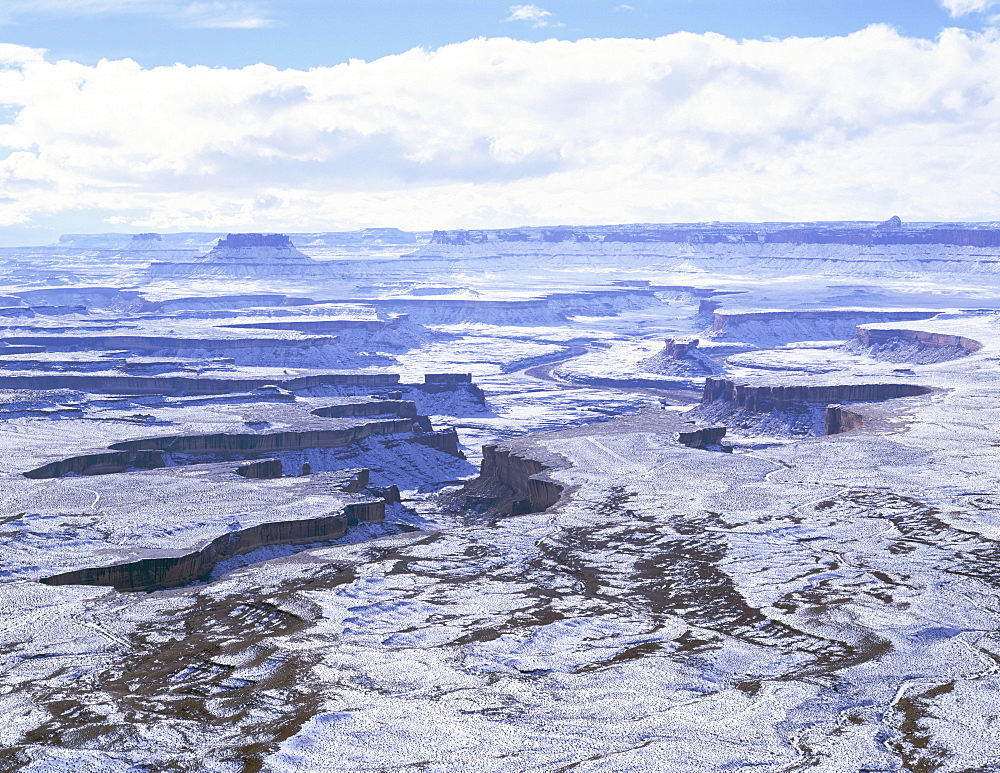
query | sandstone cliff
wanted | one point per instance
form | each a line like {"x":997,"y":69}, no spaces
{"x":880,"y":336}
{"x":182,"y":568}
{"x":763,"y":398}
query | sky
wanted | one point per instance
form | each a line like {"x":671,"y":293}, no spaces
{"x":313,"y":115}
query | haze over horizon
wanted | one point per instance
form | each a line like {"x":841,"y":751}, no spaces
{"x":120,"y":115}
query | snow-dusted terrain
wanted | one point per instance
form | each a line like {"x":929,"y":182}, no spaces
{"x":738,"y":506}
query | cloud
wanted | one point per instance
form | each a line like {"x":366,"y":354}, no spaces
{"x":532,"y":14}
{"x":963,"y":7}
{"x":624,"y":7}
{"x":223,"y":15}
{"x":497,"y":132}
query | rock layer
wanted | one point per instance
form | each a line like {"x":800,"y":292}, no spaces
{"x":533,"y":490}
{"x":763,"y":398}
{"x":880,"y":336}
{"x":180,"y":569}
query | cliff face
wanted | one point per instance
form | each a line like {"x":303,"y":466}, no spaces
{"x":402,"y":408}
{"x":838,"y":419}
{"x":170,"y":571}
{"x":163,"y":343}
{"x":879,"y":336}
{"x":532,"y":491}
{"x":257,"y":443}
{"x":262,"y":470}
{"x":322,"y":325}
{"x":723,"y":320}
{"x":445,"y":440}
{"x":147,"y":454}
{"x":702,"y":438}
{"x":764,"y":398}
{"x":190,"y":386}
{"x":99,"y":464}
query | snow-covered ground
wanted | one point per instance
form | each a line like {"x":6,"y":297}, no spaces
{"x":806,"y":601}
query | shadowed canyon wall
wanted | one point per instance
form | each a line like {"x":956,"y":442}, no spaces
{"x":764,"y":398}
{"x":172,"y":570}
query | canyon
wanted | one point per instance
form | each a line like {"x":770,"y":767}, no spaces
{"x":636,"y":497}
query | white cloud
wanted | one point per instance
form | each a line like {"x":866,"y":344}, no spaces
{"x":499,"y":132}
{"x":223,"y":15}
{"x":532,"y":14}
{"x":963,"y":7}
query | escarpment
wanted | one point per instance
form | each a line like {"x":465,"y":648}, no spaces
{"x":727,"y":320}
{"x":99,"y":464}
{"x":266,"y":442}
{"x":402,"y":408}
{"x":148,"y":453}
{"x":163,"y":343}
{"x":190,"y":385}
{"x":532,"y":490}
{"x":882,"y":336}
{"x":766,"y":397}
{"x":183,"y":568}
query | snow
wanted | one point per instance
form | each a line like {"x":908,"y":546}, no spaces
{"x":806,"y":601}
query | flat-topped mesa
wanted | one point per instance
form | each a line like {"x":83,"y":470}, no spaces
{"x":146,"y":241}
{"x":764,"y":398}
{"x":872,"y":233}
{"x":881,"y":336}
{"x":256,"y":248}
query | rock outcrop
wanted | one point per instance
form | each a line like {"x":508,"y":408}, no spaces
{"x":263,"y":470}
{"x":678,"y":350}
{"x":162,"y":343}
{"x":533,"y":491}
{"x":881,"y":336}
{"x":99,"y":464}
{"x":703,"y":438}
{"x":182,"y":568}
{"x":240,"y":443}
{"x":443,"y":440}
{"x":889,"y":232}
{"x":764,"y":398}
{"x":722,"y":320}
{"x":174,"y":385}
{"x":147,"y":453}
{"x":402,"y":408}
{"x":256,"y":248}
{"x":839,"y":419}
